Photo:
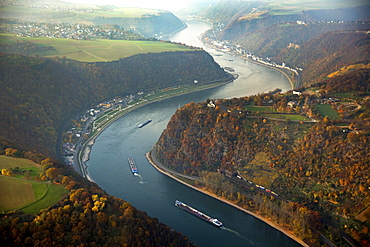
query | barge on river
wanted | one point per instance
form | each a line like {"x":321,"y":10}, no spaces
{"x":145,"y":123}
{"x":198,"y":214}
{"x":133,"y":167}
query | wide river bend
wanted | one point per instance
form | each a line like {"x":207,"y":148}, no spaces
{"x":156,"y":193}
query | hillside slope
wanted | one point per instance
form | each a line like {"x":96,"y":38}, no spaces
{"x":318,"y":169}
{"x":317,"y":41}
{"x":38,"y":95}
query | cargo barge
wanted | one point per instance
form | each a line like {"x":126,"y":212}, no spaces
{"x":133,"y":167}
{"x":145,"y":123}
{"x":198,"y":214}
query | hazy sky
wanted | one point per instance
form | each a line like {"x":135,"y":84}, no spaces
{"x":152,"y":4}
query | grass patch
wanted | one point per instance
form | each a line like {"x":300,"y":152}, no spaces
{"x":11,"y":162}
{"x":94,"y":50}
{"x":349,"y":95}
{"x":327,"y":110}
{"x":15,"y":193}
{"x":28,"y":173}
{"x":51,"y":197}
{"x":266,"y":109}
{"x":293,"y":117}
{"x":27,"y":168}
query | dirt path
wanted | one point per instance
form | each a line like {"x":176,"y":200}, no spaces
{"x":88,"y":53}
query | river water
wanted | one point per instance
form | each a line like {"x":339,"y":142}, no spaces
{"x":156,"y":193}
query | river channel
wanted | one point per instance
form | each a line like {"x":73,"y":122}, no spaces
{"x":156,"y":193}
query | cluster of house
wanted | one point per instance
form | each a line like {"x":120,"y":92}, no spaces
{"x":225,"y":46}
{"x":80,"y":128}
{"x":64,"y":30}
{"x":237,"y":50}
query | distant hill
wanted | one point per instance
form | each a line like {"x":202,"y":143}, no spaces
{"x":147,"y":22}
{"x":335,"y":36}
{"x":38,"y":95}
{"x":148,"y":25}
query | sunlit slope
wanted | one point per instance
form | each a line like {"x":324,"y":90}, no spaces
{"x":100,"y":50}
{"x":21,"y":188}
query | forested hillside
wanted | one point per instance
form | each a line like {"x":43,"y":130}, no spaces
{"x":39,"y":95}
{"x":87,"y":216}
{"x":320,"y":170}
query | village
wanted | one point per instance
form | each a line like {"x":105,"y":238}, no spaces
{"x":65,"y":30}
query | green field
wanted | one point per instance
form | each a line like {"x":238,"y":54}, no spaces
{"x":11,"y":162}
{"x":28,"y":196}
{"x":100,"y":50}
{"x":266,"y":109}
{"x":293,"y":117}
{"x":327,"y":110}
{"x":48,"y":197}
{"x":17,"y":193}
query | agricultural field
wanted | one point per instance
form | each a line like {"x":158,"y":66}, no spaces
{"x":28,"y":196}
{"x":11,"y":162}
{"x":100,"y":50}
{"x":15,"y":193}
{"x":327,"y":110}
{"x":21,"y":192}
{"x":46,"y":197}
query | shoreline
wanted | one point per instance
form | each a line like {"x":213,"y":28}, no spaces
{"x":252,"y":61}
{"x":83,"y":154}
{"x":265,"y":220}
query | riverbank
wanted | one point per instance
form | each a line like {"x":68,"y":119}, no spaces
{"x":83,"y":154}
{"x":291,"y":82}
{"x":168,"y":173}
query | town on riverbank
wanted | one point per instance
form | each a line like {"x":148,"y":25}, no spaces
{"x":79,"y":138}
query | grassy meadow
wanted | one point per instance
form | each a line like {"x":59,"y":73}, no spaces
{"x":11,"y":162}
{"x":15,"y":193}
{"x":21,"y":192}
{"x":46,"y":197}
{"x":100,"y":50}
{"x":327,"y":110}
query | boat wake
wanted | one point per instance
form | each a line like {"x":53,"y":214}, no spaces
{"x":141,"y":179}
{"x":236,"y":233}
{"x":230,"y":230}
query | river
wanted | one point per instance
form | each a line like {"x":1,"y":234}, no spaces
{"x":156,"y":193}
